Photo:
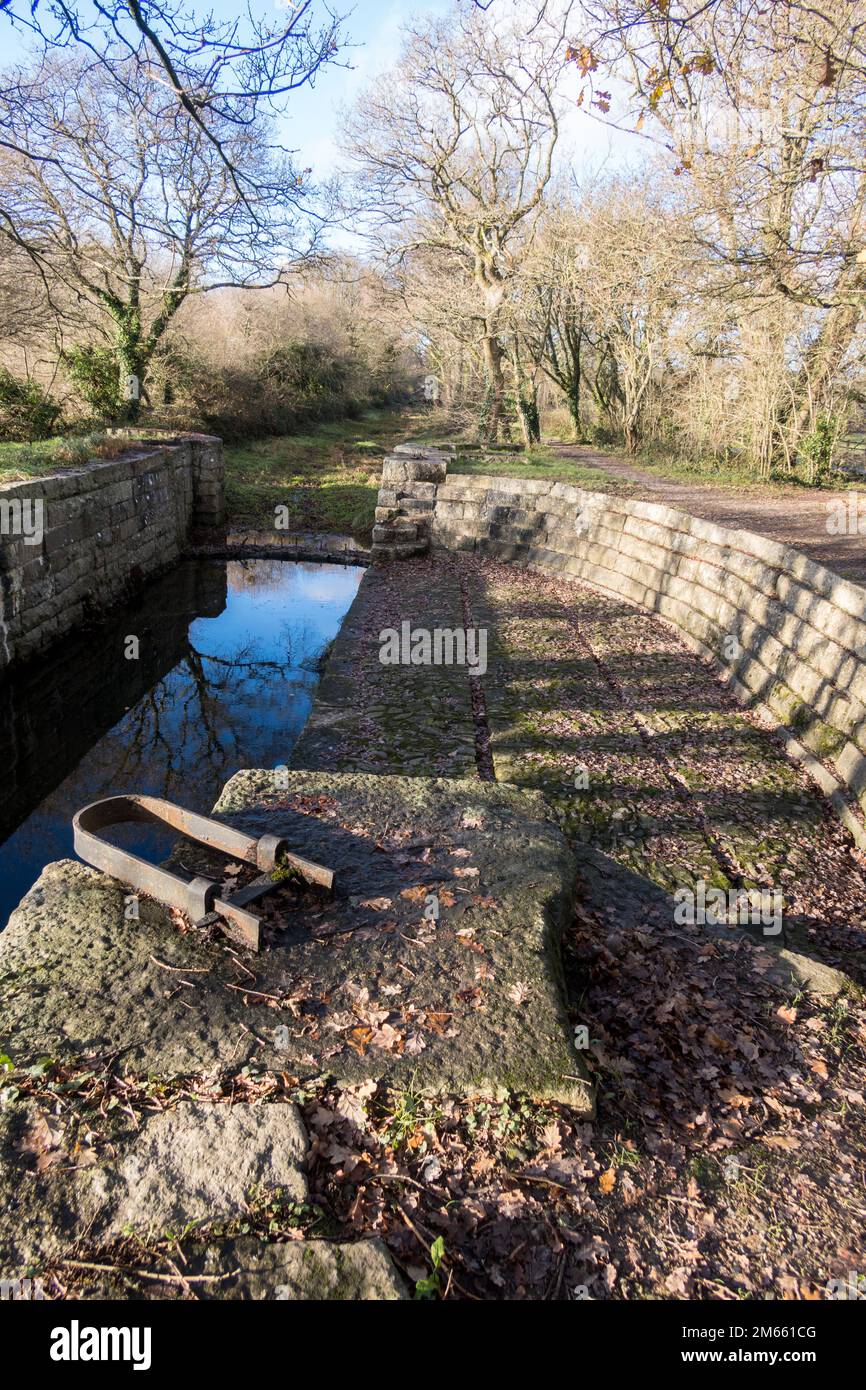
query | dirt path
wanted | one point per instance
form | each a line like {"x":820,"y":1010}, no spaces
{"x":793,"y":516}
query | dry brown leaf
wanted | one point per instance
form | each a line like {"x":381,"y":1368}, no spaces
{"x":607,"y":1181}
{"x":415,"y":895}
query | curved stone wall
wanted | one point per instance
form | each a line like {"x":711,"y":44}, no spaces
{"x":789,"y":635}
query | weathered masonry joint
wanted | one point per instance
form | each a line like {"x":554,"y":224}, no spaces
{"x":407,"y":499}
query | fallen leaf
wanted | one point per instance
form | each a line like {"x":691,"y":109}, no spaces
{"x":415,"y":895}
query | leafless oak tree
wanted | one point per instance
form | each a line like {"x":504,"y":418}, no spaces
{"x":764,"y":110}
{"x":220,"y":72}
{"x":454,"y":149}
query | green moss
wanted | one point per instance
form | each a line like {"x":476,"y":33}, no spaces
{"x":827,"y":741}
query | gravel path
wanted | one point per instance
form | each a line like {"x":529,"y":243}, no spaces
{"x":793,"y":516}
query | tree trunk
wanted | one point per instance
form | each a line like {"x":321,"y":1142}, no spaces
{"x":131,"y":357}
{"x":573,"y":399}
{"x":530,"y":424}
{"x":495,"y":387}
{"x":821,"y":368}
{"x":129,"y":378}
{"x":526,"y":392}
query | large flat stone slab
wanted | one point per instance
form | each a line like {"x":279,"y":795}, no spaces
{"x":367,"y":986}
{"x":201,"y":1162}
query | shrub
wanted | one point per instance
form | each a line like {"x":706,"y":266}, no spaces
{"x":817,"y":449}
{"x":603,"y":436}
{"x":94,"y":374}
{"x":27,"y":411}
{"x":294,"y":385}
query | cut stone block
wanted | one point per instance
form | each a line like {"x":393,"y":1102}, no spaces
{"x":395,"y":531}
{"x":473,"y":1002}
{"x":415,"y":505}
{"x":397,"y":471}
{"x":200,"y":1162}
{"x":418,"y":451}
{"x":248,"y":1270}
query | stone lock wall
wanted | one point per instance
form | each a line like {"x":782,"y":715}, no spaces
{"x":788,"y":634}
{"x":104,"y":527}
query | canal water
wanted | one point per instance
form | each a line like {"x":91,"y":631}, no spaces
{"x":228,"y":661}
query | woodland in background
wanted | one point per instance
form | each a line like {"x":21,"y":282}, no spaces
{"x":244,"y":365}
{"x":706,"y":302}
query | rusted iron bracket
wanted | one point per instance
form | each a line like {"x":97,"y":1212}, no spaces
{"x":197,"y":897}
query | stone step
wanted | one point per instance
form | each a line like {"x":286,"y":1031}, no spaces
{"x":413,"y":518}
{"x":399,"y":472}
{"x":426,"y":492}
{"x":418,"y":451}
{"x":395,"y":531}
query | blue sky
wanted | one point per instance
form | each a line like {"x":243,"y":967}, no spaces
{"x":373,"y":28}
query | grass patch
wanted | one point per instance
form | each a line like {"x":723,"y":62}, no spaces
{"x":543,"y":462}
{"x":19,"y":462}
{"x":328,"y":478}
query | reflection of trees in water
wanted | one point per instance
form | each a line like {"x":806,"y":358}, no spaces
{"x":207,"y":717}
{"x":229,"y":690}
{"x":194,"y":723}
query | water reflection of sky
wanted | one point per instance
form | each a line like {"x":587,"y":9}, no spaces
{"x":239,"y":696}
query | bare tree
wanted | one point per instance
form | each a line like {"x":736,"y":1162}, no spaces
{"x":122,"y":197}
{"x":629,"y":256}
{"x":455,"y":150}
{"x":220,"y":72}
{"x":555,"y":321}
{"x":764,"y":110}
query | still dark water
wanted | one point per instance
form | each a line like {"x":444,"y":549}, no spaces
{"x":225,"y":679}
